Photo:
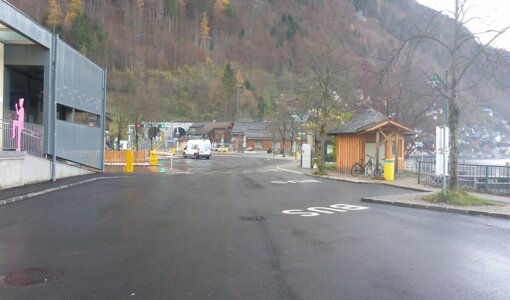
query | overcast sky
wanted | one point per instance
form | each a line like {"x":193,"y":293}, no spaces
{"x":488,"y":14}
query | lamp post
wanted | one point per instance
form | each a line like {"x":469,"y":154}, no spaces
{"x":435,"y":80}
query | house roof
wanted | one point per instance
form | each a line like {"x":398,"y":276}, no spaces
{"x":253,"y":130}
{"x":242,"y":127}
{"x":206,"y":127}
{"x":366,"y":120}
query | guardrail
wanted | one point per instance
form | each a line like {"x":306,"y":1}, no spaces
{"x":31,"y":138}
{"x":485,"y":178}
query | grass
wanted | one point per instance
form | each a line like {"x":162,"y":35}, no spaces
{"x":331,"y":167}
{"x":458,"y":198}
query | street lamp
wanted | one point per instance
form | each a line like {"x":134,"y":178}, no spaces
{"x":436,"y":81}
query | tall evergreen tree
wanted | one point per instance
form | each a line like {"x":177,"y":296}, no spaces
{"x":229,"y":85}
{"x":75,"y":10}
{"x":204,"y":31}
{"x":54,"y":14}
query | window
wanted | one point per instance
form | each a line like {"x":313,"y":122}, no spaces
{"x":73,"y":115}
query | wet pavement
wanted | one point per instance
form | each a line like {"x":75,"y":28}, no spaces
{"x":237,"y":227}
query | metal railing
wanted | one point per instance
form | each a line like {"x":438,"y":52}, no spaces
{"x":31,"y":138}
{"x":486,"y":178}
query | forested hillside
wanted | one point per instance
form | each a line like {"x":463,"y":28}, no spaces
{"x":197,"y":60}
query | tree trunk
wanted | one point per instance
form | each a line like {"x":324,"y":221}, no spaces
{"x":319,"y":153}
{"x":453,"y":118}
{"x":283,"y":146}
{"x":453,"y":123}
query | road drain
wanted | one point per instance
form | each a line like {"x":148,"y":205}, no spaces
{"x":29,"y":276}
{"x":252,"y":218}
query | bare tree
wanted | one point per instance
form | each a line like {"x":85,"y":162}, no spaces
{"x":282,"y":121}
{"x":463,"y":49}
{"x":332,"y":86}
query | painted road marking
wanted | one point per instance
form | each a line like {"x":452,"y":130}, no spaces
{"x":295,"y":181}
{"x":286,"y":170}
{"x":316,"y":211}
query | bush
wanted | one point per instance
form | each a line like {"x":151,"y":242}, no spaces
{"x":459,"y":198}
{"x":269,"y":151}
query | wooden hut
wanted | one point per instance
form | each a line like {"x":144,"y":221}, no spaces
{"x":369,"y":132}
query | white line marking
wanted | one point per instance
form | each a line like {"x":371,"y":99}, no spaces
{"x":295,"y":172}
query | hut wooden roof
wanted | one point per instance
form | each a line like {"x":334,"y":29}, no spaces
{"x":367,"y":120}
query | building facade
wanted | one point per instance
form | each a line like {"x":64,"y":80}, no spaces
{"x":63,"y":92}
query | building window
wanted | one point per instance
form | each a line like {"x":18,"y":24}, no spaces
{"x":73,"y":115}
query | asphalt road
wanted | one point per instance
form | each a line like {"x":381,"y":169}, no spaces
{"x":216,"y":229}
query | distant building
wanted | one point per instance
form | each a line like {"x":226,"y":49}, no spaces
{"x":216,"y":132}
{"x":256,"y":136}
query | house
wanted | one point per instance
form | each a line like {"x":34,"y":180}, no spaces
{"x":369,"y":132}
{"x":256,"y":136}
{"x":216,"y":132}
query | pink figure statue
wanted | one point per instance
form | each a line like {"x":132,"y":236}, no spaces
{"x":19,"y":124}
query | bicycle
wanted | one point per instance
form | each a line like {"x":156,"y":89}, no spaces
{"x":358,"y":168}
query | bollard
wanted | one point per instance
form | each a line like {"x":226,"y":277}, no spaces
{"x":154,"y":159}
{"x":172,"y":151}
{"x":128,"y":168}
{"x":226,"y":150}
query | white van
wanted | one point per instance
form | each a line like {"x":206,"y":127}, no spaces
{"x":197,"y":149}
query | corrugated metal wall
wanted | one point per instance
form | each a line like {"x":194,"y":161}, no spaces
{"x":79,"y":84}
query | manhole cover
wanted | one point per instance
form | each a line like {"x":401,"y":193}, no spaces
{"x":252,"y":218}
{"x":29,"y":276}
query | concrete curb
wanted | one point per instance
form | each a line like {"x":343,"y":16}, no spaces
{"x":464,"y":211}
{"x":58,"y":188}
{"x":368,"y":182}
{"x":358,"y":181}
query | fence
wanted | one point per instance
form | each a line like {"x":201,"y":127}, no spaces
{"x":139,"y":157}
{"x":486,"y":178}
{"x":31,"y":138}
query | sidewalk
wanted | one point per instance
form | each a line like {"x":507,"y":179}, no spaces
{"x":19,"y":193}
{"x":413,"y":199}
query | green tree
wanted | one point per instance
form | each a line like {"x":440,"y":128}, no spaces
{"x":229,"y":88}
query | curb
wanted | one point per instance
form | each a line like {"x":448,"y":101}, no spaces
{"x":62,"y":187}
{"x":471,"y":212}
{"x":369,"y":182}
{"x":356,"y":180}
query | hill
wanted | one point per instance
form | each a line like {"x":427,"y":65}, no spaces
{"x":196,"y":60}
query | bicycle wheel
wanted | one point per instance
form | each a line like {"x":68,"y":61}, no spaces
{"x":356,"y":169}
{"x":368,"y":169}
{"x":377,"y":173}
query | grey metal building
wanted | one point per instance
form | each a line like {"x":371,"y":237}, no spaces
{"x":64,"y":92}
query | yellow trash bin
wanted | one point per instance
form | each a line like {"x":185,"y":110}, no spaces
{"x":389,"y":169}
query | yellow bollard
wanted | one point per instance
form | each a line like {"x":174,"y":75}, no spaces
{"x":226,"y":150}
{"x":154,"y":159}
{"x":172,"y":151}
{"x":128,"y":168}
